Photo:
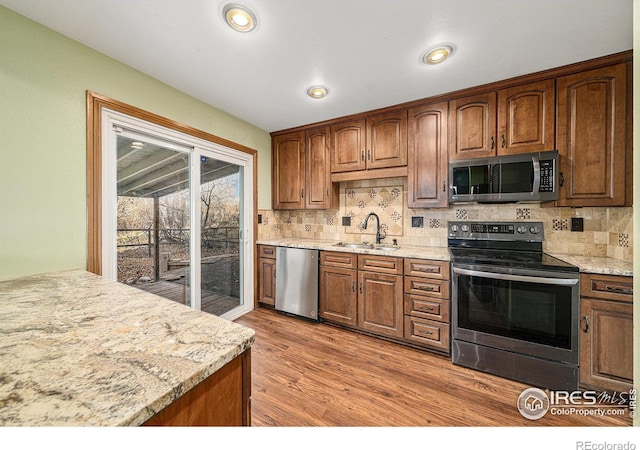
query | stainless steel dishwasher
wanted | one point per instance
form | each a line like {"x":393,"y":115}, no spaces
{"x":297,"y":281}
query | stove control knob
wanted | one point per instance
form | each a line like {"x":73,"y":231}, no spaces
{"x":454,"y":228}
{"x":465,"y":228}
{"x":534,"y":229}
{"x":521,"y":229}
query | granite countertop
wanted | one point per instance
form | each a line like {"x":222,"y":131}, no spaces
{"x":404,"y":251}
{"x":587,"y":264}
{"x":80,"y":350}
{"x":597,"y":264}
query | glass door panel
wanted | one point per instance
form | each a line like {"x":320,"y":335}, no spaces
{"x":153,"y":216}
{"x":221,"y":281}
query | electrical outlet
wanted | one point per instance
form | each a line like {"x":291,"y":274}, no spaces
{"x":417,"y":222}
{"x":577,"y":224}
{"x":346,"y":221}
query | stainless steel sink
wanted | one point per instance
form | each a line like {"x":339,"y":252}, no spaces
{"x":367,"y":246}
{"x":353,"y":245}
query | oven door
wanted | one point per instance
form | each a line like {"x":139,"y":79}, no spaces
{"x":530,"y":312}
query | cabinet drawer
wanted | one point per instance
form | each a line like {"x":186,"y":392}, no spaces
{"x":267,"y":251}
{"x":380,"y":264}
{"x":427,"y":307}
{"x":339,"y":259}
{"x":426,"y":268}
{"x":609,"y":287}
{"x":427,"y":332}
{"x":425,"y":286}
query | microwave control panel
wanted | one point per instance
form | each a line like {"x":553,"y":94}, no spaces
{"x":546,"y":175}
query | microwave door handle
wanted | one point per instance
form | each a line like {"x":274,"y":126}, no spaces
{"x":536,"y":175}
{"x":509,"y":277}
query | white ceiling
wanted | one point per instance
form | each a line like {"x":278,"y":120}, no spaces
{"x":365,"y":51}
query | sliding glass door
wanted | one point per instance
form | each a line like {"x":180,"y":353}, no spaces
{"x":176,"y":213}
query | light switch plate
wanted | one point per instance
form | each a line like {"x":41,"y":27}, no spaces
{"x":577,"y":224}
{"x":417,"y":222}
{"x":346,"y":221}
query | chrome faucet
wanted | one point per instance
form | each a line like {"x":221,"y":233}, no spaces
{"x":379,"y":237}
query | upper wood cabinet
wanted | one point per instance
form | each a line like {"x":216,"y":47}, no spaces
{"x":526,"y":118}
{"x":301,"y":173}
{"x":591,"y":139}
{"x":288,"y":170}
{"x":427,"y":170}
{"x":376,"y":142}
{"x":472,"y":126}
{"x":513,"y":120}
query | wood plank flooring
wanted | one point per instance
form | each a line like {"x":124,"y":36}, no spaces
{"x":315,"y":374}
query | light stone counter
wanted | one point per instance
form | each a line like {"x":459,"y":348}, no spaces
{"x":404,"y":251}
{"x":587,"y":264}
{"x":77,"y":349}
{"x":598,"y":264}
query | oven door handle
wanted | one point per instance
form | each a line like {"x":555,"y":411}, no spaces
{"x":509,"y":277}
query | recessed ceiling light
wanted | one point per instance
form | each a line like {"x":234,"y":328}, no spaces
{"x":317,"y":92}
{"x":239,"y":17}
{"x":437,"y":54}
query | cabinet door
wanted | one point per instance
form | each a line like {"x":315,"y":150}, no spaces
{"x":317,"y":170}
{"x":348,"y":146}
{"x":267,"y":281}
{"x":288,"y":171}
{"x":472,"y":126}
{"x":606,"y":344}
{"x":428,"y":156}
{"x":592,"y":137}
{"x":380,"y":308}
{"x":526,"y":118}
{"x":387,"y":140}
{"x":338,"y":295}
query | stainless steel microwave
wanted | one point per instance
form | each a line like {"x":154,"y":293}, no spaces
{"x":527,"y":177}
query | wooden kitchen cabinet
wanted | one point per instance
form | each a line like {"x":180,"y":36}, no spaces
{"x":301,"y":171}
{"x":427,"y":170}
{"x":514,"y":120}
{"x":362,"y":291}
{"x":338,"y":293}
{"x":592,"y":137}
{"x":606,"y":337}
{"x":222,"y":399}
{"x":376,"y":142}
{"x":267,"y":274}
{"x":426,"y":304}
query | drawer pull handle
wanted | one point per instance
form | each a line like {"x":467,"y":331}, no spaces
{"x":425,"y":308}
{"x":353,"y":286}
{"x":619,"y":290}
{"x":361,"y":288}
{"x":427,"y":269}
{"x":426,"y":288}
{"x":426,"y":333}
{"x":586,"y":324}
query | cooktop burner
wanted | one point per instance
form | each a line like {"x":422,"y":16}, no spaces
{"x":506,"y":244}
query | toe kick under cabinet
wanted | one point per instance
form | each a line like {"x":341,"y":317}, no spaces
{"x":406,"y":300}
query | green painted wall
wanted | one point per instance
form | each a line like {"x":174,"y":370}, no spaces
{"x":43,"y":80}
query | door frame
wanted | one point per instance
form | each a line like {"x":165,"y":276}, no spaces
{"x":96,"y":103}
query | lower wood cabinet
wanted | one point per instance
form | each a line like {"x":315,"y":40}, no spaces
{"x":406,"y":300}
{"x":380,"y":303}
{"x":606,"y":337}
{"x":223,"y":399}
{"x":267,"y":274}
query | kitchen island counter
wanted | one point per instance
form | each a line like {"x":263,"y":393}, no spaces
{"x":81,"y":350}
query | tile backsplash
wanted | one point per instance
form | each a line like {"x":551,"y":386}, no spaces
{"x":607,"y":231}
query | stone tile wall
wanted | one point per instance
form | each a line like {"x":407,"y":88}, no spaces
{"x":607,"y":231}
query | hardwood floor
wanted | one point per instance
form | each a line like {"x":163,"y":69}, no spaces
{"x":315,"y":374}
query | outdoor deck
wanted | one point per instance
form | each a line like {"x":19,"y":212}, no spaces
{"x":211,"y":302}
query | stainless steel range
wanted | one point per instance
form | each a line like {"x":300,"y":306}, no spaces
{"x":515,"y":309}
